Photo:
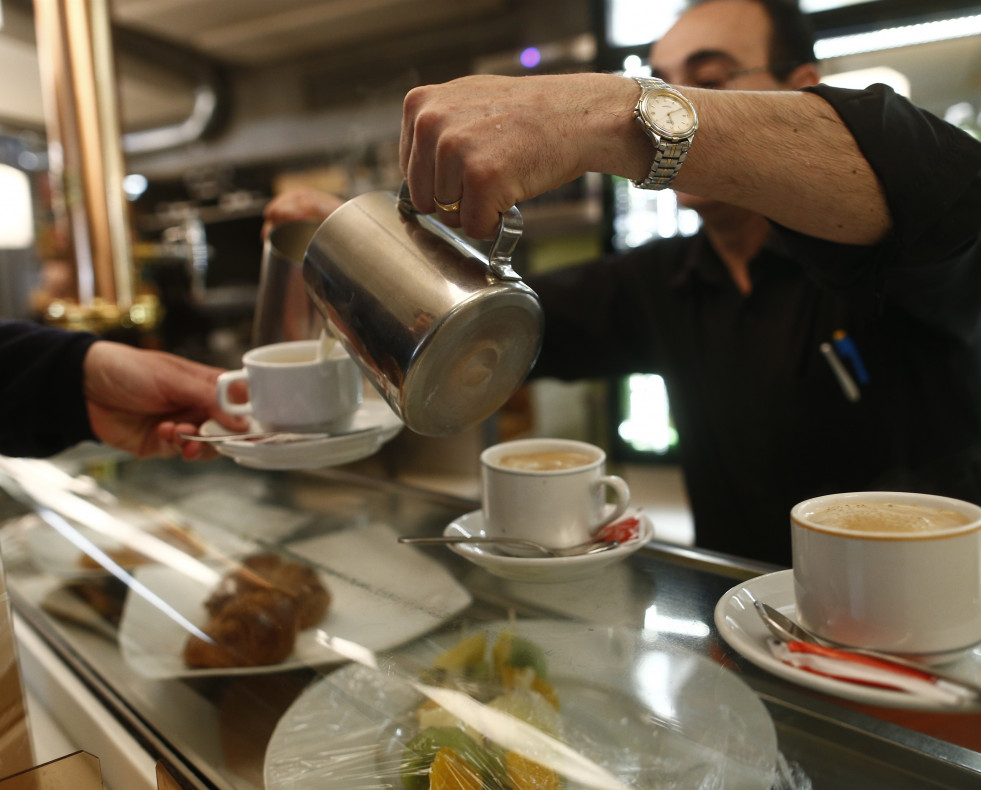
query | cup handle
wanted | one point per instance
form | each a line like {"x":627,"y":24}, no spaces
{"x":622,"y":493}
{"x":225,"y":380}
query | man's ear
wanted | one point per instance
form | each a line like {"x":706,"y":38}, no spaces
{"x":803,"y":76}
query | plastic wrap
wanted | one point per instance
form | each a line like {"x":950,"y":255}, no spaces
{"x":529,"y":704}
{"x":414,"y":691}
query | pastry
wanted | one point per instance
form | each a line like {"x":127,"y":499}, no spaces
{"x":255,"y":628}
{"x":256,"y":612}
{"x":264,"y":571}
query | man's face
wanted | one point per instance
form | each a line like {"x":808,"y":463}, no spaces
{"x":711,"y":46}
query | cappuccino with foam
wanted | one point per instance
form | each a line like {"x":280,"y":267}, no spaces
{"x":546,"y":461}
{"x":887,"y":517}
{"x":889,"y":570}
{"x":553,"y":491}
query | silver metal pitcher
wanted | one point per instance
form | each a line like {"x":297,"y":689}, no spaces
{"x":443,"y":333}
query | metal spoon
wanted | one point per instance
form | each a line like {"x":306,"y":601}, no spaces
{"x":786,"y":630}
{"x":589,"y":547}
{"x":269,"y":437}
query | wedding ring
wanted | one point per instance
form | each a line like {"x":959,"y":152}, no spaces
{"x":452,"y":208}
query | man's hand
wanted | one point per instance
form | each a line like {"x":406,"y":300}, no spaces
{"x":493,"y":141}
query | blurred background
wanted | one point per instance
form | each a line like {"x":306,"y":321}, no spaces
{"x":131,"y":195}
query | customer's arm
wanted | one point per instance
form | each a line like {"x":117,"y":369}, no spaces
{"x":139,"y":400}
{"x":301,"y":203}
{"x":41,"y":408}
{"x":60,"y":388}
{"x":495,"y":141}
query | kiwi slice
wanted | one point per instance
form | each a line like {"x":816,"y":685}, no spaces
{"x":421,"y":750}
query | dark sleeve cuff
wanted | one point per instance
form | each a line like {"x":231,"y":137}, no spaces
{"x":42,"y":399}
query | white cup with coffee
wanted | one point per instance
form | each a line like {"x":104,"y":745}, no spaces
{"x":303,"y":385}
{"x":892,"y":571}
{"x":553,"y":491}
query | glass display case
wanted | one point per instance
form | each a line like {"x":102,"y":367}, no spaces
{"x":622,"y":678}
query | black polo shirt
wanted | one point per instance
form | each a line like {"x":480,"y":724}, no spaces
{"x":762,"y":421}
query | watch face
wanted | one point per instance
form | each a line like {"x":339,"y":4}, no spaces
{"x":668,"y":113}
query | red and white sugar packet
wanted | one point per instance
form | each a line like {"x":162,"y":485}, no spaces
{"x":869,"y":671}
{"x":624,"y":529}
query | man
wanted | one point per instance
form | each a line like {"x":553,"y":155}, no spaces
{"x":60,"y":388}
{"x":824,"y":212}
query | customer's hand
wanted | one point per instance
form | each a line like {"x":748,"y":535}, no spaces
{"x":492,"y":141}
{"x":298,"y":204}
{"x":139,"y":400}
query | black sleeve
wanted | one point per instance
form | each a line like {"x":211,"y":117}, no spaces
{"x":42,"y":408}
{"x":929,"y":169}
{"x":930,"y":172}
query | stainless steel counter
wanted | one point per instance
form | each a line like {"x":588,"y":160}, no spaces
{"x":213,"y":730}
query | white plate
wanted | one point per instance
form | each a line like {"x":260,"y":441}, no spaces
{"x":742,"y":628}
{"x":652,"y":717}
{"x":227,"y":509}
{"x":52,"y":552}
{"x":383,"y":594}
{"x":375,"y":415}
{"x":539,"y":569}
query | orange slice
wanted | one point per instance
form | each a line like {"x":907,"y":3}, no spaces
{"x":450,"y":771}
{"x":525,"y":774}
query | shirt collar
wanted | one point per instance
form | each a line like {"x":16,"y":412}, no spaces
{"x":702,"y":261}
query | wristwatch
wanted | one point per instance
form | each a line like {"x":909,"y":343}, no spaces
{"x":670,"y":121}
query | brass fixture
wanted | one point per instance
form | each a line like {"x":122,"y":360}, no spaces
{"x":86,"y":163}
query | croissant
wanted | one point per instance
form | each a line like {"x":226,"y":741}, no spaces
{"x":265,"y":571}
{"x":252,"y":629}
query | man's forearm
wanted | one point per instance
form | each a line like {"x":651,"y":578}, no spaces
{"x":494,"y":141}
{"x":788,"y":156}
{"x":784,"y":154}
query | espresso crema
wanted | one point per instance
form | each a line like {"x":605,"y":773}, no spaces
{"x":894,"y":517}
{"x":545,"y":461}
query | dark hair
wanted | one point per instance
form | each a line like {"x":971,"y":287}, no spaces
{"x":791,"y":38}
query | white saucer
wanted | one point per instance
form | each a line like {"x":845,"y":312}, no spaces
{"x":742,"y":628}
{"x":539,"y":569}
{"x":374,"y":415}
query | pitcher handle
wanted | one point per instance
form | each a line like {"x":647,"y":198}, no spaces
{"x":508,"y":234}
{"x":499,"y":257}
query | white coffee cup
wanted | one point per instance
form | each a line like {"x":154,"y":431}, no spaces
{"x":556,"y":507}
{"x":907,"y":582}
{"x":296,"y":386}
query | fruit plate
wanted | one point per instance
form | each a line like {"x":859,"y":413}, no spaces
{"x":635,"y":713}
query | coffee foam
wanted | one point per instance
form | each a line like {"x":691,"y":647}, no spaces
{"x":545,"y":460}
{"x":888,"y":517}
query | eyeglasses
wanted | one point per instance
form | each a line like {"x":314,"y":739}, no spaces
{"x":717,"y":75}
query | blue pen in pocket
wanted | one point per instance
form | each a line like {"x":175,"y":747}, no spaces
{"x":845,"y":380}
{"x":847,"y":350}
